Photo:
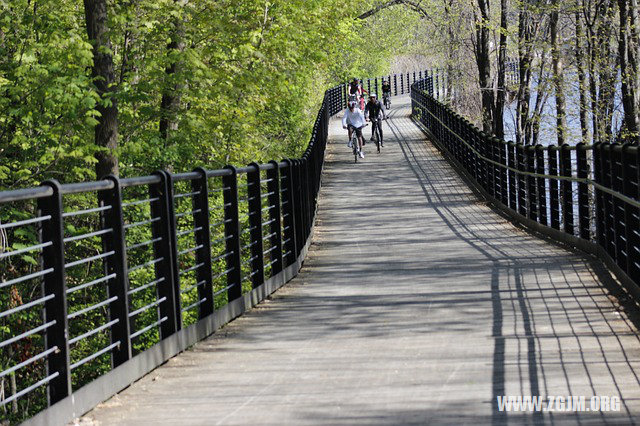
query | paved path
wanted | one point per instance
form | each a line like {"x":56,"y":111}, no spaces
{"x":417,"y":304}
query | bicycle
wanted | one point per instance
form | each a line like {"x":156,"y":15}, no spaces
{"x":386,"y":99}
{"x":376,"y":133}
{"x":354,"y":142}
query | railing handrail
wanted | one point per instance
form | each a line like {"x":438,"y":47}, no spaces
{"x":534,"y":183}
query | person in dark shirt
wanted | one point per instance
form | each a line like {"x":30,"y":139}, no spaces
{"x":373,"y":111}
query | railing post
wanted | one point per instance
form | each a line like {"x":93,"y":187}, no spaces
{"x":504,"y":189}
{"x":529,"y":155}
{"x":117,"y":265}
{"x":632,"y":223}
{"x":273,"y":187}
{"x":395,"y":85}
{"x":204,"y":274}
{"x":513,"y":189}
{"x":299,"y":208}
{"x":255,"y":224}
{"x":554,"y":193}
{"x":163,"y":231}
{"x":599,"y":201}
{"x":522,"y":191}
{"x":54,"y":284}
{"x":232,"y":234}
{"x":583,"y":192}
{"x":567,"y":192}
{"x":619,"y":223}
{"x":609,"y":236}
{"x":402,"y":84}
{"x":289,"y":214}
{"x":542,"y":187}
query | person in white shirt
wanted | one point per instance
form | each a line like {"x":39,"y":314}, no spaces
{"x":353,"y":120}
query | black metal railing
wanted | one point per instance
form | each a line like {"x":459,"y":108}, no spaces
{"x":100,"y":282}
{"x":95,"y":275}
{"x":585,"y":195}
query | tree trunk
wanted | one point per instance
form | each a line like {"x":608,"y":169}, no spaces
{"x":172,"y":93}
{"x":558,"y":80}
{"x":628,"y":58}
{"x":498,"y":124}
{"x":582,"y":79}
{"x":525,"y":59}
{"x":484,"y":66}
{"x":106,"y":131}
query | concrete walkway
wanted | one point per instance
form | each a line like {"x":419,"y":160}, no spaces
{"x":417,"y":304}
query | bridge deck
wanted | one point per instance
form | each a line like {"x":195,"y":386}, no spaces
{"x":417,"y":304}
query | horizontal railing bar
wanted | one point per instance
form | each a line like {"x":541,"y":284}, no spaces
{"x":145,"y":243}
{"x":188,"y":231}
{"x":26,"y":277}
{"x":135,"y":203}
{"x":249,"y":260}
{"x":87,"y":211}
{"x":186,"y":194}
{"x":271,"y":263}
{"x":267,"y":194}
{"x":94,"y":356}
{"x":91,"y":283}
{"x":223,"y":290}
{"x":269,"y":222}
{"x":269,"y":236}
{"x":92,"y":307}
{"x":89,"y":235}
{"x":222,"y":256}
{"x":24,"y":222}
{"x":25,"y":194}
{"x":147,"y":328}
{"x":29,"y":389}
{"x":188,"y":289}
{"x":89,"y":259}
{"x":29,"y":361}
{"x":219,"y":240}
{"x":142,"y":222}
{"x":179,"y":215}
{"x":214,"y":190}
{"x":147,"y":307}
{"x":94,"y":331}
{"x":27,"y":333}
{"x":193,"y":305}
{"x":140,"y":180}
{"x":185,"y":176}
{"x":270,"y":250}
{"x":219,"y":173}
{"x":26,"y":305}
{"x":144,"y":265}
{"x":145,"y":286}
{"x":222,"y":222}
{"x":191,"y":269}
{"x":25,"y":250}
{"x":189,"y":250}
{"x":77,"y":188}
{"x":223,"y":273}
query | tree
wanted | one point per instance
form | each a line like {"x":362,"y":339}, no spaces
{"x":106,"y":130}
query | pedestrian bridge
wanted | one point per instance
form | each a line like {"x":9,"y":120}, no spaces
{"x":421,"y":300}
{"x":417,"y":304}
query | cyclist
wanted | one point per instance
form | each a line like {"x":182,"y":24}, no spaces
{"x":362,"y":98}
{"x":354,"y":89}
{"x":386,"y":89}
{"x":353,"y":120}
{"x":375,"y":109}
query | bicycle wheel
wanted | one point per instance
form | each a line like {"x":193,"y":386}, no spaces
{"x":376,"y":136}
